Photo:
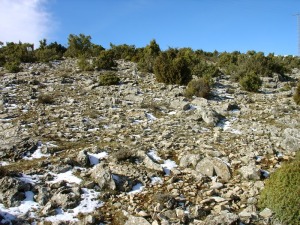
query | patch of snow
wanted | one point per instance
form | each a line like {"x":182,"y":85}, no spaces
{"x":37,"y":154}
{"x":30,"y":179}
{"x":3,"y":163}
{"x":150,"y":117}
{"x":95,"y":158}
{"x":153,"y":155}
{"x":226,"y":126}
{"x":156,"y":180}
{"x":137,"y":121}
{"x":93,"y":129}
{"x":67,"y":176}
{"x":27,"y":205}
{"x":172,"y":113}
{"x":168,"y":165}
{"x":88,"y":204}
{"x":136,"y":188}
{"x":193,"y":107}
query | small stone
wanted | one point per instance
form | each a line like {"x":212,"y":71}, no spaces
{"x":266,"y":213}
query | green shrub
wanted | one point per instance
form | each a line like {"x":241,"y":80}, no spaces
{"x":124,"y":51}
{"x":12,"y":67}
{"x":282,"y":191}
{"x":149,"y":55}
{"x":203,"y":69}
{"x":251,"y":82}
{"x":170,"y":68}
{"x":109,"y":78}
{"x":45,"y":55}
{"x":84,"y":64}
{"x":46,"y":99}
{"x":297,"y":94}
{"x":198,"y":87}
{"x":105,"y":60}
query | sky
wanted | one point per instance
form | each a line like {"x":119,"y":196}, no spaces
{"x":269,"y":26}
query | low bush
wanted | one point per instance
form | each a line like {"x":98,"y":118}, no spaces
{"x":282,"y":191}
{"x":251,"y":82}
{"x":105,"y":60}
{"x":84,"y":64}
{"x":109,"y":78}
{"x":297,"y":94}
{"x":171,"y":68}
{"x":12,"y":67}
{"x":198,"y":87}
{"x":46,"y":99}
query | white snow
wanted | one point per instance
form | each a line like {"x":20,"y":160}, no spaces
{"x":136,"y":188}
{"x":3,"y":163}
{"x":95,"y":158}
{"x":172,"y":113}
{"x":37,"y":154}
{"x":227,"y":126}
{"x":27,"y":205}
{"x":67,"y":176}
{"x":150,"y":117}
{"x":88,"y":204}
{"x":153,"y":155}
{"x":30,"y":179}
{"x":156,"y":180}
{"x":168,"y":165}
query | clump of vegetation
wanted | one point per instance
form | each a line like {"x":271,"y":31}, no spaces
{"x":47,"y":53}
{"x":172,"y":68}
{"x":81,"y":45}
{"x":251,"y":82}
{"x":297,"y":94}
{"x":84,"y":64}
{"x":281,"y":192}
{"x":46,"y":99}
{"x":105,"y":60}
{"x":149,"y":55}
{"x":13,"y":67}
{"x":109,"y":78}
{"x":3,"y":172}
{"x":198,"y":87}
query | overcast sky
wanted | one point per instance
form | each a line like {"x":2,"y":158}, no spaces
{"x":223,"y":25}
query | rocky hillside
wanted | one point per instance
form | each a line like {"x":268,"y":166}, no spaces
{"x":75,"y":152}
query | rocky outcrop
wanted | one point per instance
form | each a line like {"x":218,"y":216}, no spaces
{"x":140,"y":149}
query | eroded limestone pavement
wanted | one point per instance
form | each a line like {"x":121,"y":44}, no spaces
{"x":74,"y":152}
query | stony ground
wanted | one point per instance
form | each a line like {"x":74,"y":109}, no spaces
{"x":74,"y":152}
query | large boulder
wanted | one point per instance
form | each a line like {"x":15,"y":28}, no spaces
{"x":103,"y":177}
{"x":12,"y":191}
{"x":67,"y":198}
{"x":250,"y":172}
{"x":83,"y":158}
{"x":207,"y":114}
{"x":291,"y":139}
{"x":214,"y":166}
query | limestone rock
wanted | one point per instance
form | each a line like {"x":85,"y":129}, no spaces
{"x":291,"y":139}
{"x":12,"y":191}
{"x":136,"y":220}
{"x":214,"y":166}
{"x":102,"y":176}
{"x":189,"y":160}
{"x":250,"y":172}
